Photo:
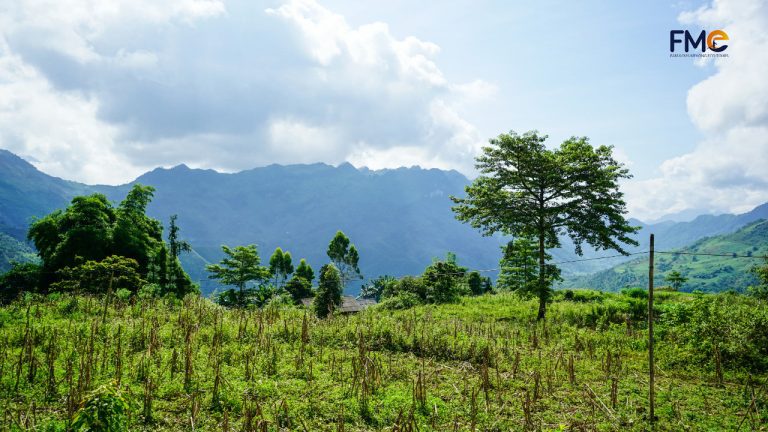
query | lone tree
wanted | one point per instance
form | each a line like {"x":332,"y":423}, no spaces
{"x":240,"y":266}
{"x":675,"y":280}
{"x":526,"y":189}
{"x":344,"y":256}
{"x":328,"y":291}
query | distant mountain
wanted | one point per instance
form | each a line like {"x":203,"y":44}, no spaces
{"x":705,"y":273}
{"x":400,"y":219}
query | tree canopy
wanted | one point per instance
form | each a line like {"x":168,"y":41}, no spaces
{"x":240,"y":266}
{"x":344,"y":257}
{"x":527,"y":190}
{"x":91,"y":230}
{"x":328,"y":291}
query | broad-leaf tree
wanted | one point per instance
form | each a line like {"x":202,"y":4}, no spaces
{"x":329,"y":290}
{"x":675,"y":280}
{"x":525,"y":189}
{"x":443,"y":280}
{"x":239,"y":267}
{"x":280,"y":266}
{"x":344,"y":256}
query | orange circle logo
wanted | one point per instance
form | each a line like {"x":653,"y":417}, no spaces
{"x":714,"y":37}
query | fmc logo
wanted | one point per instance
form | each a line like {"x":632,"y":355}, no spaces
{"x":712,"y":40}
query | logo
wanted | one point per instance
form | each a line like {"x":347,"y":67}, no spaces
{"x":712,"y":41}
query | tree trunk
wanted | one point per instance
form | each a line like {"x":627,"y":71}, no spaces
{"x":542,"y":281}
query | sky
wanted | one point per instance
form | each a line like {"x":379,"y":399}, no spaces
{"x":102,"y":91}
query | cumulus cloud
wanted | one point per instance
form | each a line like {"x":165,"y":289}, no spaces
{"x":113,"y":88}
{"x":726,"y":172}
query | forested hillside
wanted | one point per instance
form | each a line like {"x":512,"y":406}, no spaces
{"x":399,"y":219}
{"x":704,"y":273}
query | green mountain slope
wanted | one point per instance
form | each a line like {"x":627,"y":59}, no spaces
{"x":399,"y":218}
{"x":12,"y":250}
{"x":704,"y":273}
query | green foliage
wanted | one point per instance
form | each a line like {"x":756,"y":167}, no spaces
{"x":329,"y":291}
{"x":519,"y":267}
{"x":239,"y":268}
{"x":675,"y":280}
{"x":638,"y":293}
{"x":20,"y":278}
{"x":303,"y":270}
{"x":433,"y":367}
{"x":97,"y":277}
{"x":105,"y":409}
{"x":528,"y":190}
{"x":280,"y":266}
{"x":760,"y":289}
{"x":704,"y":273}
{"x":377,"y":287}
{"x":345,"y":257}
{"x":299,"y":288}
{"x":91,"y":230}
{"x":443,"y":281}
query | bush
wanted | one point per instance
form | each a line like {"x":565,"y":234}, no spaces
{"x":636,"y":293}
{"x":20,"y":278}
{"x":104,"y":410}
{"x":403,"y":300}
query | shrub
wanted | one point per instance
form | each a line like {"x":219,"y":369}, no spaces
{"x":104,"y":410}
{"x":636,"y":293}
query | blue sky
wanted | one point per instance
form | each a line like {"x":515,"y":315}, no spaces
{"x":102,"y":91}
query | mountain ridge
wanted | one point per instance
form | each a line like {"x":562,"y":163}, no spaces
{"x":400,"y":219}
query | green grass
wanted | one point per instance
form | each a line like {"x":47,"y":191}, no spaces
{"x":483,"y":363}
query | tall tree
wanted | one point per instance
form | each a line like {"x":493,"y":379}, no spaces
{"x":239,"y":266}
{"x":344,"y":256}
{"x":329,"y":291}
{"x":675,"y":280}
{"x":526,"y":189}
{"x":280,"y":266}
{"x":303,"y":270}
{"x":136,"y":235}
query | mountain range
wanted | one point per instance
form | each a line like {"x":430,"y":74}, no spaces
{"x":399,"y":219}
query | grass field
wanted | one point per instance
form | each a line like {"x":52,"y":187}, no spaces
{"x":482,"y":364}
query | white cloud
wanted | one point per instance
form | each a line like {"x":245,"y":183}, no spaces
{"x":140,"y":83}
{"x":726,"y":172}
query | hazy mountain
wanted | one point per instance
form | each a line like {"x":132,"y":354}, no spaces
{"x":705,"y":273}
{"x":400,"y":219}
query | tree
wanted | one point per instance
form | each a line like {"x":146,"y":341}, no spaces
{"x":305,"y":271}
{"x":91,"y":229}
{"x":761,"y":289}
{"x":675,"y":280}
{"x":475,"y":283}
{"x":21,"y":277}
{"x":136,"y":235}
{"x":84,"y":230}
{"x":519,"y":267}
{"x":328,"y":291}
{"x":299,"y":288}
{"x":280,"y":266}
{"x":240,"y":266}
{"x":442,"y":280}
{"x":98,"y":277}
{"x":180,"y":284}
{"x":345,"y":257}
{"x":375,"y":288}
{"x":526,"y":189}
